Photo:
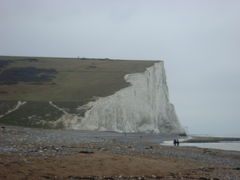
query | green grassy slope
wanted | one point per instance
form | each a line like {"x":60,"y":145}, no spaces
{"x":76,"y":82}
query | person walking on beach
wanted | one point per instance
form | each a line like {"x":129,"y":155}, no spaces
{"x":175,"y":142}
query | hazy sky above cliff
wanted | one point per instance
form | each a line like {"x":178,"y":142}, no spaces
{"x":199,"y":41}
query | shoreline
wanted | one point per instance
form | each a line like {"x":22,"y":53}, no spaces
{"x":210,"y":139}
{"x":70,"y":154}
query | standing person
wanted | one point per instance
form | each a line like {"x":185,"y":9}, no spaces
{"x":175,"y":142}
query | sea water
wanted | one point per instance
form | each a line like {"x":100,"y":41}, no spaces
{"x":231,"y":145}
{"x":223,"y":145}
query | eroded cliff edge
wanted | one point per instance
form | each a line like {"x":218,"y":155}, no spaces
{"x":142,"y":107}
{"x":136,"y":103}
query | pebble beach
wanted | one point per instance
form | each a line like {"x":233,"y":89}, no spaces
{"x":30,"y":153}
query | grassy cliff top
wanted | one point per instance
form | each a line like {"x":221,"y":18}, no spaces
{"x":63,"y":79}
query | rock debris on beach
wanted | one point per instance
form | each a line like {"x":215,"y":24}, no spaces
{"x":21,"y":149}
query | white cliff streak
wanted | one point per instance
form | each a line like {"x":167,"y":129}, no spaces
{"x":66,"y":120}
{"x":58,"y":108}
{"x":19,"y":104}
{"x":142,"y":107}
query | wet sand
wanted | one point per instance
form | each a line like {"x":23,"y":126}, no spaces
{"x":66,"y":154}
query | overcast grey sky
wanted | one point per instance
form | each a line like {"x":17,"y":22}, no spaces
{"x":199,"y":40}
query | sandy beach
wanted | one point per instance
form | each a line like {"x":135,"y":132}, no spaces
{"x":27,"y":153}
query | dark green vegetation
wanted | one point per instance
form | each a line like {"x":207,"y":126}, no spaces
{"x":33,"y":114}
{"x":26,"y":74}
{"x":68,"y":82}
{"x":76,"y":80}
{"x":6,"y":105}
{"x":7,"y":60}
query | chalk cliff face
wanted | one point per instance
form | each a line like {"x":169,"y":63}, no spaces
{"x":142,"y":107}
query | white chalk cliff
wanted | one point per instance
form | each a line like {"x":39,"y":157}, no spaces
{"x":142,"y":107}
